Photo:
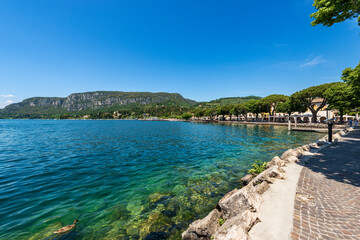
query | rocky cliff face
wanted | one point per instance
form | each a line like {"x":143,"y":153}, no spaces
{"x":94,"y":100}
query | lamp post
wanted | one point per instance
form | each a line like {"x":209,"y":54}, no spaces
{"x":330,"y":123}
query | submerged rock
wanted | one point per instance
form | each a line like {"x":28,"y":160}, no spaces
{"x":156,"y":197}
{"x":169,"y":213}
{"x":46,"y":232}
{"x":157,"y":236}
{"x":119,"y":213}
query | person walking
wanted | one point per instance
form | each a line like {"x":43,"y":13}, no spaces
{"x":350,"y":122}
{"x":355,"y":123}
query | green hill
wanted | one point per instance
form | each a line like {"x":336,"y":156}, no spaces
{"x":229,"y":101}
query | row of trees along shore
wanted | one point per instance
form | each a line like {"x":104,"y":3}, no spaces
{"x":338,"y":96}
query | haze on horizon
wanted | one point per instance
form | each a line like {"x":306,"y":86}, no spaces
{"x":203,"y":50}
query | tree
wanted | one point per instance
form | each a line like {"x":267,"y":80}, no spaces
{"x":199,"y":113}
{"x":239,"y":109}
{"x":223,"y":110}
{"x":270,"y":102}
{"x":243,"y":110}
{"x":65,"y":116}
{"x":186,"y":116}
{"x":235,"y":111}
{"x":211,"y":112}
{"x":291,"y":106}
{"x":352,"y":77}
{"x":335,"y":11}
{"x":256,"y":107}
{"x":228,"y":110}
{"x":306,"y":97}
{"x":340,"y":97}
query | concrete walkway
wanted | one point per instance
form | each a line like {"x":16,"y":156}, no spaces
{"x":327,"y":201}
{"x":276,"y":212}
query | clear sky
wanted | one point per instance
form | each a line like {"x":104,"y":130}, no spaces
{"x":201,"y":49}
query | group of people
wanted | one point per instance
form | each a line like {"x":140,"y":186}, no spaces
{"x":355,"y":123}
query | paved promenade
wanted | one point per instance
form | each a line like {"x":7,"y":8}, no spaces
{"x":327,"y":202}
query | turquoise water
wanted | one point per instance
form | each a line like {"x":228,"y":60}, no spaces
{"x":123,"y":179}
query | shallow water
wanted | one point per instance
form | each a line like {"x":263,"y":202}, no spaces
{"x":123,"y":179}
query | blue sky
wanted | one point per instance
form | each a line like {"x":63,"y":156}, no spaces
{"x":201,"y":49}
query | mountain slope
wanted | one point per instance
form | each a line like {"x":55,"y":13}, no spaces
{"x":90,"y":101}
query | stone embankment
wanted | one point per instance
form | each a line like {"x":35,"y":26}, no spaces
{"x":238,"y":211}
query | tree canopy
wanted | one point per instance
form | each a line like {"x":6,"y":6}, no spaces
{"x":255,"y":106}
{"x":352,"y":77}
{"x":270,"y":102}
{"x":290,"y":106}
{"x":339,"y":96}
{"x":306,"y":97}
{"x":335,"y":11}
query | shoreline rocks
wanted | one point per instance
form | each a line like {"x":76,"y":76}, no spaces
{"x":237,"y":211}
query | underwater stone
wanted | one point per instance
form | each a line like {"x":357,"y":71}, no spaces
{"x":156,"y":236}
{"x":120,"y":213}
{"x":46,"y":232}
{"x":169,"y":213}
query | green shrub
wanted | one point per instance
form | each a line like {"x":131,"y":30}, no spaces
{"x":258,"y":167}
{"x":186,"y":116}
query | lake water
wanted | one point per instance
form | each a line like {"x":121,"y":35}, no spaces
{"x":123,"y":179}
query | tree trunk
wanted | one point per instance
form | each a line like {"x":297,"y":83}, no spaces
{"x":314,"y":114}
{"x":313,"y":119}
{"x":269,"y":116}
{"x":341,"y":116}
{"x":273,"y":112}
